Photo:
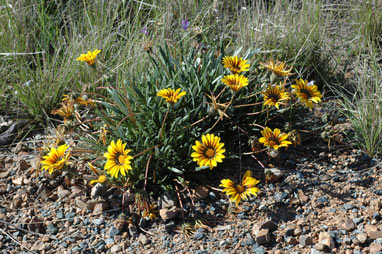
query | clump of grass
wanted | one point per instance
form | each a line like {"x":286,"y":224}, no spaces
{"x":362,"y":105}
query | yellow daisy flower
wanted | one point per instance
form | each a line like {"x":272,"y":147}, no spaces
{"x":56,"y":159}
{"x":235,"y":64}
{"x":275,"y":95}
{"x":235,"y":82}
{"x":274,"y":139}
{"x":238,"y":192}
{"x":170,"y":95}
{"x":89,"y":57}
{"x":277,"y":68}
{"x":209,"y":152}
{"x":118,"y":159}
{"x":307,"y":92}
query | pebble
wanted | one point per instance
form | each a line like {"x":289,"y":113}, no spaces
{"x":362,"y":238}
{"x":168,"y":213}
{"x":143,"y":239}
{"x":348,"y":225}
{"x":167,"y":201}
{"x":305,"y":240}
{"x":112,"y":232}
{"x":263,"y":236}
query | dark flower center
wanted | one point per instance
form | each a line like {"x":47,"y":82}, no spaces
{"x":240,"y":188}
{"x":305,"y":93}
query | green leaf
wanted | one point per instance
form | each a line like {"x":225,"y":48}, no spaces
{"x":175,"y":170}
{"x":201,"y":168}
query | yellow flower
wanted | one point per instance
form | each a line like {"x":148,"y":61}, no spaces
{"x":235,"y":82}
{"x":118,"y":159}
{"x":277,"y":68}
{"x":101,"y":179}
{"x":274,"y":139}
{"x":89,"y":57}
{"x":66,"y":109}
{"x":307,"y":92}
{"x":209,"y":152}
{"x":170,"y":95}
{"x":56,"y":159}
{"x":85,"y":102}
{"x":238,"y":192}
{"x":275,"y":95}
{"x":235,"y":64}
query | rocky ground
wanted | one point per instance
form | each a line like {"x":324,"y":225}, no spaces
{"x":317,"y":201}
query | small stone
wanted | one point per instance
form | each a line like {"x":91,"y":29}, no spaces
{"x":113,"y":231}
{"x":4,"y":174}
{"x":348,"y":225}
{"x":81,"y":204}
{"x":199,"y":234}
{"x":362,"y":238}
{"x":325,"y":239}
{"x":167,"y":200}
{"x":96,"y":191}
{"x":201,"y":192}
{"x":263,"y":236}
{"x":320,"y":247}
{"x":100,"y":207}
{"x":115,"y":248}
{"x":51,"y":229}
{"x":18,"y":180}
{"x":375,"y":234}
{"x":133,"y":230}
{"x":280,"y":196}
{"x":256,"y":249}
{"x":45,"y":239}
{"x":263,"y":225}
{"x":375,"y":247}
{"x":369,"y":228}
{"x":348,"y":206}
{"x":168,"y":214}
{"x":61,"y":192}
{"x":292,"y":240}
{"x":143,"y":239}
{"x":98,"y":222}
{"x":273,"y":174}
{"x":305,"y":240}
{"x":223,"y":228}
{"x":23,"y":165}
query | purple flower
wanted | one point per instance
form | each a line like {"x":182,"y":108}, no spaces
{"x":144,"y":30}
{"x":185,"y":24}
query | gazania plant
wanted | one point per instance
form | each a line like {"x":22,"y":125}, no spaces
{"x":240,"y":191}
{"x":56,"y":159}
{"x":89,"y":57}
{"x":306,"y":92}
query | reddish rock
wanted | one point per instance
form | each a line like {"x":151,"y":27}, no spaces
{"x":375,"y":247}
{"x":305,"y":240}
{"x":325,"y":239}
{"x":348,"y":225}
{"x":168,"y":214}
{"x":362,"y":238}
{"x":375,"y":234}
{"x":370,"y":228}
{"x":263,"y":236}
{"x":301,"y":195}
{"x":270,"y":225}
